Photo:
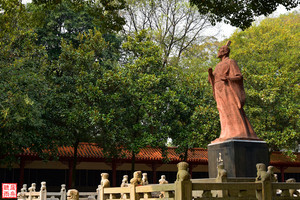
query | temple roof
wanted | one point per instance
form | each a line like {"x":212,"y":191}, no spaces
{"x":92,"y":152}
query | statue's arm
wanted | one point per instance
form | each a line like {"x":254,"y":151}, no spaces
{"x":210,"y":76}
{"x":234,"y":78}
{"x":234,"y":73}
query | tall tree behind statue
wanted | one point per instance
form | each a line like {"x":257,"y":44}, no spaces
{"x":175,"y":25}
{"x":23,"y":87}
{"x":73,"y":34}
{"x":268,"y":54}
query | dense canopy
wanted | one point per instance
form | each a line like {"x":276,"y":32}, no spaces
{"x":240,"y":13}
{"x":74,"y":75}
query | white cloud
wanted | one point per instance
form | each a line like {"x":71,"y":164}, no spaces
{"x":26,"y":1}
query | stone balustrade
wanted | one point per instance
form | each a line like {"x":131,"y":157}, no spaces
{"x":264,"y":187}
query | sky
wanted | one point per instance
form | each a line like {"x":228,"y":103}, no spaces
{"x":226,"y":30}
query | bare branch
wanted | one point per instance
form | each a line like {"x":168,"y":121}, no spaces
{"x":175,"y":24}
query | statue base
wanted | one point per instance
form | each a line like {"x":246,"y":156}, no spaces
{"x":239,"y":157}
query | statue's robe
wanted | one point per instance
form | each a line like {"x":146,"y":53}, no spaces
{"x":230,"y":97}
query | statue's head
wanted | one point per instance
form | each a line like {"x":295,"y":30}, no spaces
{"x":291,"y":180}
{"x":104,"y":175}
{"x":145,"y":175}
{"x":223,"y":51}
{"x":271,"y":169}
{"x":125,"y":178}
{"x":182,"y":166}
{"x":137,"y":174}
{"x":72,"y":194}
{"x":260,"y":167}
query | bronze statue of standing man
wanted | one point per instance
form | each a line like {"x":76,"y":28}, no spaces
{"x":229,"y":93}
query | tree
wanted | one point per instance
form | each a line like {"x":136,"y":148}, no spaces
{"x":40,"y":105}
{"x":74,"y":74}
{"x":178,"y":29}
{"x":139,"y":95}
{"x":240,"y":13}
{"x":268,"y":54}
{"x":54,"y":20}
{"x":64,"y":28}
{"x":196,"y":120}
{"x":23,"y":89}
{"x":175,"y":25}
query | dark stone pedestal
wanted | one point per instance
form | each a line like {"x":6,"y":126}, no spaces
{"x":238,"y":156}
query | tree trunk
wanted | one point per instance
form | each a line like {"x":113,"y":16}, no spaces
{"x":132,"y":162}
{"x":74,"y":163}
{"x":185,"y":154}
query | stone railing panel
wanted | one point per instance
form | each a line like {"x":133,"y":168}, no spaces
{"x":288,"y":190}
{"x":239,"y":190}
{"x":264,"y":187}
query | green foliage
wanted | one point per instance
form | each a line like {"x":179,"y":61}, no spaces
{"x":22,"y":87}
{"x":195,"y":117}
{"x":65,"y":19}
{"x":76,"y":69}
{"x":146,"y":91}
{"x":240,"y":13}
{"x":41,"y":106}
{"x":130,"y":97}
{"x":129,"y":107}
{"x":268,"y":54}
{"x":72,"y":108}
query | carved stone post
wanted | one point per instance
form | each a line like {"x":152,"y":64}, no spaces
{"x":266,"y":190}
{"x":43,"y":191}
{"x":133,"y":195}
{"x":145,"y":179}
{"x":273,"y":178}
{"x":63,"y":192}
{"x":136,"y":180}
{"x":163,"y":181}
{"x":124,"y":184}
{"x":104,"y":180}
{"x":264,"y":178}
{"x":221,"y":178}
{"x":102,"y":196}
{"x":183,"y":184}
{"x":105,"y":183}
{"x":24,"y":188}
{"x":21,"y":195}
{"x":31,"y":190}
{"x":99,"y":192}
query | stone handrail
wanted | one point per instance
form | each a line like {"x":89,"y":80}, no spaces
{"x":227,"y":186}
{"x":288,"y":190}
{"x":227,"y":190}
{"x":234,"y":190}
{"x":32,"y":194}
{"x":156,"y":188}
{"x":136,"y":192}
{"x":285,"y":186}
{"x":264,"y":187}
